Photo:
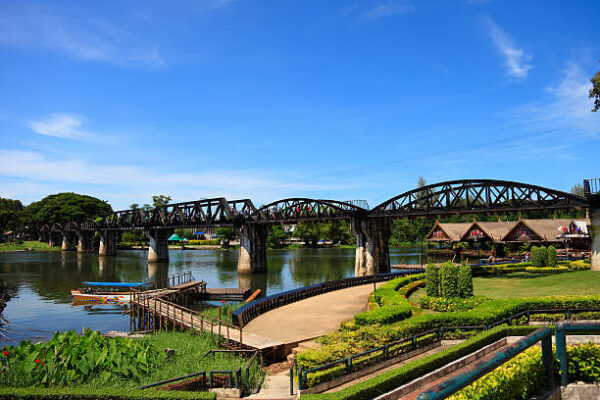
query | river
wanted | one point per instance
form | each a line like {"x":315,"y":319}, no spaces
{"x":39,"y":282}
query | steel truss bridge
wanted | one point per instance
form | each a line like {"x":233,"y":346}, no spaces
{"x":469,"y":196}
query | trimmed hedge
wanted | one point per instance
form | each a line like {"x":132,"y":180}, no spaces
{"x":519,"y":379}
{"x":551,"y":262}
{"x":499,"y":269}
{"x":38,"y":393}
{"x":391,"y":304}
{"x":432,"y":280}
{"x":392,"y":379}
{"x":465,"y":281}
{"x":580,"y":265}
{"x":546,"y":270}
{"x":449,"y":280}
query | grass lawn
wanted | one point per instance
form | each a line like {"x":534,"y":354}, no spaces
{"x":521,"y":285}
{"x":35,"y":245}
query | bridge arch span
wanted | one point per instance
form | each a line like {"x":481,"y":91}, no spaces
{"x":302,"y":209}
{"x":476,"y":196}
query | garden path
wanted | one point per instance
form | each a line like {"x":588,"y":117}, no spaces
{"x":312,"y":317}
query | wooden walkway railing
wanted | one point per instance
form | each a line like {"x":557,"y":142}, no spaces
{"x":154,"y":313}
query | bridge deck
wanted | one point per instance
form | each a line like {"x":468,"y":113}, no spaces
{"x":309,"y":318}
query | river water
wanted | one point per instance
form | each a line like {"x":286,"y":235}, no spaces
{"x":39,"y":282}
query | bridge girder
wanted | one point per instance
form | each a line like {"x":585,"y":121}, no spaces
{"x":294,"y":210}
{"x":476,"y":196}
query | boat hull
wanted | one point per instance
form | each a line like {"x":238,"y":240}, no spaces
{"x":106,"y":298}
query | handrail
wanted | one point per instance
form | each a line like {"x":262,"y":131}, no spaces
{"x":479,"y":369}
{"x":562,"y":329}
{"x":249,"y":311}
{"x":303,"y":374}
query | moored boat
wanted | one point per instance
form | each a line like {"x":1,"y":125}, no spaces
{"x":105,"y":292}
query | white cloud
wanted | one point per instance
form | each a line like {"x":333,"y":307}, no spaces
{"x":60,"y":125}
{"x":517,"y":61}
{"x":567,"y":107}
{"x":124,"y":184}
{"x":389,"y":8}
{"x":80,"y":36}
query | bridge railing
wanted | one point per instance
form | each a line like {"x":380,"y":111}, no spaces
{"x":248,"y":312}
{"x":562,"y":330}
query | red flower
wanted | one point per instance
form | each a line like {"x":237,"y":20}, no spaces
{"x":6,"y":353}
{"x":42,"y":362}
{"x":37,"y":360}
{"x":223,"y":301}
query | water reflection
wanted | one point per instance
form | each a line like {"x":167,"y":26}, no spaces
{"x":41,"y":281}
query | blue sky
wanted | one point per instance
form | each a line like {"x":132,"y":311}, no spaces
{"x":274,"y":99}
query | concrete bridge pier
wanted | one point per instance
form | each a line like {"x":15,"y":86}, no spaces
{"x":107,"y":243}
{"x":84,"y":241}
{"x":158,"y":250}
{"x":68,"y":241}
{"x":253,"y":248}
{"x":372,"y":249}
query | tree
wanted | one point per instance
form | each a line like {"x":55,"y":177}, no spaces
{"x":226,"y":235}
{"x":11,"y":215}
{"x":160,"y":200}
{"x":578,"y":190}
{"x":337,"y":232}
{"x":595,"y":91}
{"x":310,"y":232}
{"x":65,"y":207}
{"x":134,"y":206}
{"x":277,"y":237}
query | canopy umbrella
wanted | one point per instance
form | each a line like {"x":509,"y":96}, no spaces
{"x":174,"y":237}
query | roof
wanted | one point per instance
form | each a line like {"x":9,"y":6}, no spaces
{"x":495,"y":230}
{"x":547,"y":229}
{"x":454,"y":231}
{"x":174,"y":237}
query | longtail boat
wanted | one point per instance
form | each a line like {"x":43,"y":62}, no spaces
{"x":105,"y":292}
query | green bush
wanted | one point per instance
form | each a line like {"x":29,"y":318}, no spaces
{"x":465,"y":281}
{"x":579,"y":265}
{"x":98,"y":394}
{"x":543,"y":256}
{"x":432,"y":282}
{"x":387,"y":381}
{"x":518,"y":379}
{"x":536,"y":257}
{"x":69,"y":359}
{"x":391,"y":304}
{"x":499,"y":269}
{"x":584,"y":363}
{"x":206,"y":242}
{"x":546,"y":270}
{"x":443,"y":304}
{"x":449,"y":280}
{"x":551,"y":262}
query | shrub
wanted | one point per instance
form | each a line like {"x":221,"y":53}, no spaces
{"x":551,"y":262}
{"x":520,"y":378}
{"x":499,"y":269}
{"x":546,"y":270}
{"x":584,"y":363}
{"x":432,"y":282}
{"x":443,"y":304}
{"x":36,"y":393}
{"x":579,"y":265}
{"x":465,"y":281}
{"x":384,"y":315}
{"x":542,"y":256}
{"x":449,"y":280}
{"x":69,"y":359}
{"x":387,"y":381}
{"x":207,"y":242}
{"x":535,"y":257}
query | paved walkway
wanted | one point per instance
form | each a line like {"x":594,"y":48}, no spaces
{"x":312,"y":317}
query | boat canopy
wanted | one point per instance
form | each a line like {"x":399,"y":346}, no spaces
{"x":116,"y":284}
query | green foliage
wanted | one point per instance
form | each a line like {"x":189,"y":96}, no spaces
{"x":546,"y":270}
{"x":205,"y":242}
{"x":67,"y":393}
{"x":595,"y":91}
{"x":135,"y":236}
{"x":226,"y":235}
{"x":432,"y":280}
{"x":160,"y":200}
{"x":518,"y":379}
{"x":465,"y":281}
{"x":277,"y":237}
{"x":579,"y":265}
{"x":11,"y":215}
{"x":498,"y":269}
{"x":443,"y":304}
{"x":310,"y":232}
{"x":70,"y":359}
{"x":409,"y":230}
{"x":389,"y":380}
{"x":449,"y":280}
{"x":391,"y":303}
{"x":551,"y":262}
{"x":337,"y":232}
{"x":65,"y":207}
{"x":584,"y":363}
